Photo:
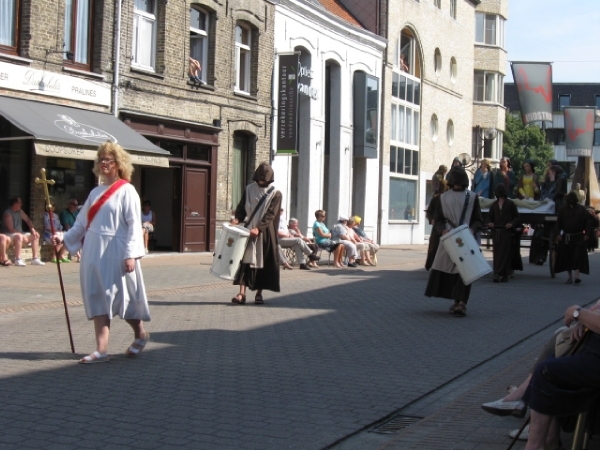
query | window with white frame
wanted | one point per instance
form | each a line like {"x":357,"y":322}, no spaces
{"x":488,"y":87}
{"x":489,"y":29}
{"x":243,"y":57}
{"x":9,"y":17}
{"x":78,"y":31}
{"x":144,"y":34}
{"x":453,"y":9}
{"x":404,"y":131}
{"x":199,"y":35}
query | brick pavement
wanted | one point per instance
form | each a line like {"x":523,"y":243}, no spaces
{"x":332,"y":354}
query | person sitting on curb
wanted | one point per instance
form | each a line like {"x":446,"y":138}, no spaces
{"x":12,"y":226}
{"x":294,"y":230}
{"x":287,"y":240}
{"x":4,"y":244}
{"x":339,"y":233}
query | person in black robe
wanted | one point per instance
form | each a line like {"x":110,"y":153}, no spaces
{"x":434,"y":236}
{"x":444,"y":279}
{"x":574,"y":227}
{"x":503,"y":220}
{"x":259,"y":269}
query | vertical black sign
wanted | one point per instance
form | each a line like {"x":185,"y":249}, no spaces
{"x":287,"y":106}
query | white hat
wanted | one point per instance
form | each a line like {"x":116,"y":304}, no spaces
{"x":342,"y":218}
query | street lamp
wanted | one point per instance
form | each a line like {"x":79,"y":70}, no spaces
{"x":484,"y":136}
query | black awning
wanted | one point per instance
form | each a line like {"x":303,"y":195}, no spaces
{"x":58,"y":126}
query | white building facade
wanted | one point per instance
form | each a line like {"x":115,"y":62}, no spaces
{"x":339,"y":110}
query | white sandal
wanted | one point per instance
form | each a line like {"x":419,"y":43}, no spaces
{"x":138,"y":345}
{"x":94,"y":358}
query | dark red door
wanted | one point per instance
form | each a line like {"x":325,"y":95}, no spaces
{"x":195,"y":209}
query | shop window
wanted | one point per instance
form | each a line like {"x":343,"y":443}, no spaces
{"x":243,"y":58}
{"x":144,"y":34}
{"x":9,"y":26}
{"x":198,"y":152}
{"x":403,"y":198}
{"x":199,"y":39}
{"x":79,"y":32}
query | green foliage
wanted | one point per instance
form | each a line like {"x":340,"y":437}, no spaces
{"x":522,"y":143}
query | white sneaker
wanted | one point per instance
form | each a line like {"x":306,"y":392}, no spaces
{"x":524,"y":435}
{"x":37,"y":262}
{"x":19,"y":262}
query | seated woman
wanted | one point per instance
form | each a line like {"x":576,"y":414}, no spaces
{"x":148,"y":222}
{"x":340,"y":233}
{"x":367,"y":247}
{"x":62,"y":250}
{"x":323,"y":235}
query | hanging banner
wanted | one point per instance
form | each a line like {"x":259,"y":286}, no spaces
{"x":579,"y":130}
{"x":287,"y":104}
{"x":534,"y":86}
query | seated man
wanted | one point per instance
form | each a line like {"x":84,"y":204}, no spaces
{"x":294,"y":230}
{"x":12,"y":226}
{"x":4,"y":244}
{"x":287,"y":240}
{"x":195,"y":68}
{"x":339,"y":232}
{"x":564,"y":386}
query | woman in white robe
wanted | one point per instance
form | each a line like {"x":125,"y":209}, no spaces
{"x":110,"y":274}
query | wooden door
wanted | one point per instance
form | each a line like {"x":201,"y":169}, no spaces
{"x":195,"y":209}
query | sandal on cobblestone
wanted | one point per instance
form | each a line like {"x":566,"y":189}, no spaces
{"x":460,"y":310}
{"x":452,"y":308}
{"x":138,"y":345}
{"x":94,"y":358}
{"x":259,"y":299}
{"x":239,"y":299}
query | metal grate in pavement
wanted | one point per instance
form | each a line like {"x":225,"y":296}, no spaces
{"x":395,"y":425}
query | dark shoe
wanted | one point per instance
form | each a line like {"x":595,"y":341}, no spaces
{"x":503,"y":279}
{"x":304,"y":267}
{"x":577,"y":281}
{"x":460,"y":310}
{"x":452,"y":308}
{"x":496,"y":278}
{"x":352,"y":265}
{"x":502,"y":408}
{"x":239,"y":299}
{"x":259,"y":299}
{"x":313,"y":257}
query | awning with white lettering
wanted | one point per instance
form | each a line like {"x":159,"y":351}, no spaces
{"x":66,"y":132}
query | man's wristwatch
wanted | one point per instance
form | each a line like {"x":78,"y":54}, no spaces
{"x":576,"y":314}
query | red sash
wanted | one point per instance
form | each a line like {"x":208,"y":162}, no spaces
{"x":103,"y":199}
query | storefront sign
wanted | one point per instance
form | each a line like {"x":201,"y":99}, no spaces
{"x":534,"y":86}
{"x":579,"y":130}
{"x":304,"y":80}
{"x":287,"y":123}
{"x":26,"y":79}
{"x":89,"y":154}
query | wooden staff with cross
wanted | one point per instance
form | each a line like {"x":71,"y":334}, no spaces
{"x":45,"y":182}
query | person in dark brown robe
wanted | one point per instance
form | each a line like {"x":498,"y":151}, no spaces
{"x":434,"y":236}
{"x":574,"y":227}
{"x":503,"y":220}
{"x":259,"y":269}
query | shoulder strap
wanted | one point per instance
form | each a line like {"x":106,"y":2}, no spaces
{"x":464,"y":211}
{"x":260,"y":202}
{"x":103,"y":198}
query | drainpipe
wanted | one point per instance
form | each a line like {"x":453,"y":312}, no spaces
{"x":117,"y":59}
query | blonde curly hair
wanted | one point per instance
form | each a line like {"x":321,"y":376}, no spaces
{"x":122,"y":160}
